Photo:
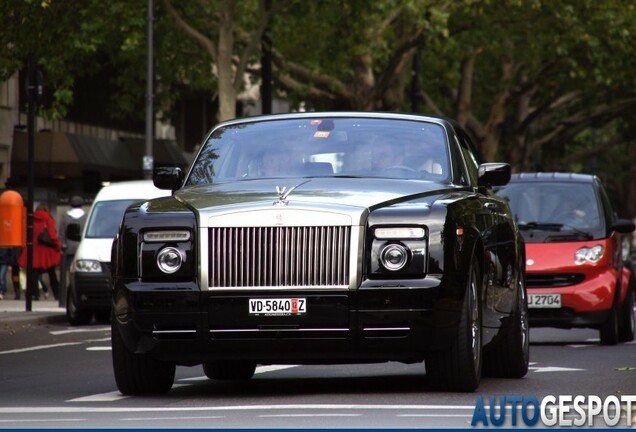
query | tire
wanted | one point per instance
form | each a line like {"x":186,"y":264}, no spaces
{"x":626,"y":326}
{"x":509,"y":355}
{"x":609,"y":329}
{"x":459,"y":368}
{"x":229,"y":370}
{"x":139,"y":373}
{"x":74,"y":315}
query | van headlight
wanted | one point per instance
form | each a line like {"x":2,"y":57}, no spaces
{"x":87,"y":266}
{"x":169,"y":260}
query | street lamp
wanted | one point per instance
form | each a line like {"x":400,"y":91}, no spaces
{"x":148,"y":159}
{"x":34,"y":90}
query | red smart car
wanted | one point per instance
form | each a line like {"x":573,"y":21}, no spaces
{"x":575,"y":272}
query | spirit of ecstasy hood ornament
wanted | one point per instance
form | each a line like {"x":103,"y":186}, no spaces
{"x":283,"y":193}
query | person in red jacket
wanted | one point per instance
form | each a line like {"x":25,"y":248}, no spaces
{"x":45,"y":258}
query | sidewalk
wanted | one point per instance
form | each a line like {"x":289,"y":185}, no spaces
{"x":13,"y":312}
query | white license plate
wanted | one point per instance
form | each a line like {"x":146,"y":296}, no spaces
{"x":544,"y":301}
{"x":278,"y":306}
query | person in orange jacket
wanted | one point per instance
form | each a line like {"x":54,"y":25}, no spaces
{"x":45,"y":258}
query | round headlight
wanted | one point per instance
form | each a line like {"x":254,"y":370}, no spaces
{"x":394,"y":257}
{"x":169,"y":260}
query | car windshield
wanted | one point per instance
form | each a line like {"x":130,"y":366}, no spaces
{"x":105,"y":218}
{"x":553,"y":206}
{"x":323,"y":147}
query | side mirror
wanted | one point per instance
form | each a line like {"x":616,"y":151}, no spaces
{"x":167,"y":178}
{"x":494,"y":174}
{"x":73,"y":232}
{"x":623,"y":226}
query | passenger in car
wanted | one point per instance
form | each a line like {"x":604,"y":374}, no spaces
{"x":283,"y":161}
{"x":426,"y":157}
{"x":273,"y":163}
{"x":386,"y":156}
{"x":381,"y":152}
{"x":432,"y":167}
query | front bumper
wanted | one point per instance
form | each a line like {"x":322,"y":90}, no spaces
{"x":182,"y":324}
{"x":92,"y":290}
{"x":584,"y":304}
{"x":567,"y":318}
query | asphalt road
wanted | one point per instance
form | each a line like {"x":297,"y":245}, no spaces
{"x":55,"y":376}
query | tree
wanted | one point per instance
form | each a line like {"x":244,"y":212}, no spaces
{"x":355,"y":54}
{"x":68,"y":40}
{"x":526,"y":89}
{"x":530,"y":79}
{"x":525,"y":77}
{"x":544,"y":99}
{"x":200,"y":22}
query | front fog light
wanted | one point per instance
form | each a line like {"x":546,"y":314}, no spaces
{"x":394,"y":257}
{"x":169,"y":260}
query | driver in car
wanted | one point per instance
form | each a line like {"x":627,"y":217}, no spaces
{"x":385,"y":154}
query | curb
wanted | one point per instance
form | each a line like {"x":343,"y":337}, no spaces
{"x":10,"y":320}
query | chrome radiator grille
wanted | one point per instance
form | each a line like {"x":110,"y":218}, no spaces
{"x":279,"y":256}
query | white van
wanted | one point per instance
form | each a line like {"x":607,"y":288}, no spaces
{"x":89,"y":290}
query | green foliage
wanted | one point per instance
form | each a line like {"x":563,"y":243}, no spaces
{"x":572,"y":61}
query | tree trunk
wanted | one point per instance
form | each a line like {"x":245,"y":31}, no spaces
{"x":227,"y":94}
{"x":363,"y":85}
{"x":464,"y":91}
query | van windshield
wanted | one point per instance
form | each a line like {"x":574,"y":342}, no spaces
{"x":105,"y":218}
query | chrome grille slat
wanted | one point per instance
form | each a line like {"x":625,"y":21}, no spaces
{"x":279,"y":256}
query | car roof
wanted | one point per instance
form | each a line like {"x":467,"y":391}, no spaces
{"x":133,"y":189}
{"x":563,"y":177}
{"x":341,"y":114}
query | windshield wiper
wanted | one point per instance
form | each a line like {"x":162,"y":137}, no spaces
{"x":553,"y":226}
{"x":585,"y":234}
{"x":543,"y":226}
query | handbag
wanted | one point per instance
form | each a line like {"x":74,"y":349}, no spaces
{"x":44,"y":238}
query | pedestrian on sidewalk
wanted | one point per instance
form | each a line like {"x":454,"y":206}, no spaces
{"x":74,"y":215}
{"x":45,"y":257}
{"x":15,"y":271}
{"x":6,"y":256}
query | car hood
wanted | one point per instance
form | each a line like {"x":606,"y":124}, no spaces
{"x":363,"y":193}
{"x":94,"y":249}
